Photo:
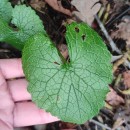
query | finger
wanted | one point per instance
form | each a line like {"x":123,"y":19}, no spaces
{"x":11,"y":68}
{"x":26,"y":114}
{"x":18,"y":90}
{"x":6,"y":106}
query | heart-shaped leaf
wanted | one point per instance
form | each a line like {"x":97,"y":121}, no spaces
{"x":75,"y":90}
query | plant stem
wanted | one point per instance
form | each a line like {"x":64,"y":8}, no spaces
{"x":113,"y":46}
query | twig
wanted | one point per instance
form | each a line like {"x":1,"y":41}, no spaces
{"x":119,"y":123}
{"x":112,"y":44}
{"x":4,"y":50}
{"x":118,"y":16}
{"x":127,"y":63}
{"x":115,"y":58}
{"x":100,"y":124}
{"x":120,"y":62}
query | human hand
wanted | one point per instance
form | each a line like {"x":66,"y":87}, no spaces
{"x":16,"y":108}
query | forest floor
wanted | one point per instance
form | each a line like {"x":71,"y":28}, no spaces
{"x":111,"y":19}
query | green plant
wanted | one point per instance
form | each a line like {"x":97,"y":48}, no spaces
{"x":72,"y":90}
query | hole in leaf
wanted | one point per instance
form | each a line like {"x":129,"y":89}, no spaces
{"x":83,"y":37}
{"x":15,"y":28}
{"x":56,"y":63}
{"x":77,"y":29}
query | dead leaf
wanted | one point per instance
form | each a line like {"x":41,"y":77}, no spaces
{"x":122,"y":118}
{"x":108,"y":106}
{"x":55,"y":4}
{"x":37,"y":4}
{"x":86,"y":9}
{"x":123,"y":30}
{"x":126,"y":92}
{"x":126,"y":77}
{"x":67,"y":126}
{"x":120,"y":61}
{"x":113,"y":98}
{"x":118,"y":123}
{"x":104,"y":2}
{"x":63,"y":50}
{"x":116,"y":8}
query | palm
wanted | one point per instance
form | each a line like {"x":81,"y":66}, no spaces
{"x":16,"y":108}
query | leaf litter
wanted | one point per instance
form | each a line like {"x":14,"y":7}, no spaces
{"x":118,"y":116}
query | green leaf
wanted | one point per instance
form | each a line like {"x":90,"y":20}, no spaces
{"x":27,"y":24}
{"x":5,"y":10}
{"x":73,"y":91}
{"x":7,"y":35}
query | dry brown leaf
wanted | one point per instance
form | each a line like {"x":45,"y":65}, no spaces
{"x":37,"y":4}
{"x":113,"y":98}
{"x":126,"y":77}
{"x":55,"y":4}
{"x":122,"y":118}
{"x":67,"y":126}
{"x":108,"y":106}
{"x":119,"y":62}
{"x":116,"y":8}
{"x":104,"y":2}
{"x":63,"y":50}
{"x":123,"y":30}
{"x":86,"y":9}
{"x":126,"y":92}
{"x":118,"y":123}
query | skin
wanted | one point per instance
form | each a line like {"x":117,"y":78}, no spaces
{"x":16,"y":108}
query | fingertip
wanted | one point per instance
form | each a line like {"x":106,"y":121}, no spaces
{"x":11,"y":68}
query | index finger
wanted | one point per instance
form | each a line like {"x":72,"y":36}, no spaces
{"x":11,"y":68}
